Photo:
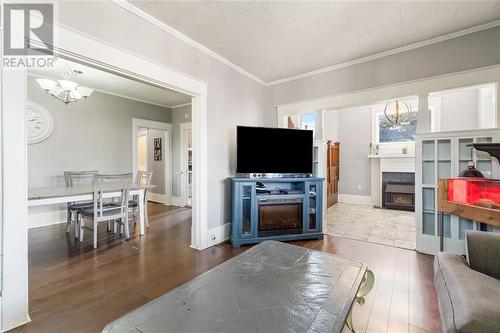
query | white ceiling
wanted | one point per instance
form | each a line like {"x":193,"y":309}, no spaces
{"x":278,"y":39}
{"x":114,"y":84}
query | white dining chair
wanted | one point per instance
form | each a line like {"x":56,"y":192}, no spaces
{"x":107,"y":209}
{"x":142,"y":178}
{"x":76,"y":178}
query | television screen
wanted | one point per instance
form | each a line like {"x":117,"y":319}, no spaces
{"x":274,"y":150}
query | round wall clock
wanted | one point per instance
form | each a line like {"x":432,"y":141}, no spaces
{"x":39,"y":124}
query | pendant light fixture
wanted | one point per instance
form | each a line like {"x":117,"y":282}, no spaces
{"x":397,"y":112}
{"x":65,"y":90}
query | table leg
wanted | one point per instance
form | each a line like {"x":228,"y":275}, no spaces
{"x":141,"y":211}
{"x":364,"y":289}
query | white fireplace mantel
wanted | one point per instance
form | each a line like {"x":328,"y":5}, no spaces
{"x":387,"y":163}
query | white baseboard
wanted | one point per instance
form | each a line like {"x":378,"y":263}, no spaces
{"x":355,"y":199}
{"x":217,"y":235}
{"x":156,"y":197}
{"x":175,"y":201}
{"x":36,"y":220}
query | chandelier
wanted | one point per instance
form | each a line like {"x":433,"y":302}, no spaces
{"x":397,"y":112}
{"x":65,"y":90}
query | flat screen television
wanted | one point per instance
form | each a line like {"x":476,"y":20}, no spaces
{"x":274,"y":150}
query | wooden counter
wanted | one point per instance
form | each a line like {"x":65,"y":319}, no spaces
{"x":472,"y":212}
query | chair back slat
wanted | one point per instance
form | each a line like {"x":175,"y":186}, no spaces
{"x":119,"y":183}
{"x":144,"y":177}
{"x":75,"y":178}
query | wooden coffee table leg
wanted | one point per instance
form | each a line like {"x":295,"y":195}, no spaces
{"x":366,"y":287}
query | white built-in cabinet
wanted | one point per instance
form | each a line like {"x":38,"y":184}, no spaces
{"x":445,"y":155}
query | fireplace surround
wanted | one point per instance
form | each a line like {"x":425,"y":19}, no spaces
{"x":398,"y":190}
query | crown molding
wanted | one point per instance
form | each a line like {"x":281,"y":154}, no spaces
{"x":179,"y":105}
{"x":159,"y":24}
{"x":107,"y":92}
{"x":409,"y":47}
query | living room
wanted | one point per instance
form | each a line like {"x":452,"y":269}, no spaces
{"x":240,"y":65}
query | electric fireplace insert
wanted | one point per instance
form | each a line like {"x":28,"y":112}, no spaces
{"x":280,"y":216}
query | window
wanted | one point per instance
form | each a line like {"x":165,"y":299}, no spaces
{"x":309,"y":121}
{"x":302,"y":121}
{"x":403,"y":132}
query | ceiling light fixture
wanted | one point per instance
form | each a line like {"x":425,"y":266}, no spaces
{"x":65,"y":90}
{"x":397,"y":112}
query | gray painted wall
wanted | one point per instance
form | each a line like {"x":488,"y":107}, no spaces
{"x":233,"y":99}
{"x":354,"y":132}
{"x":179,"y":115}
{"x":88,"y":135}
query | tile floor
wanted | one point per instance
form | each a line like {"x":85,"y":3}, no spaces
{"x":381,"y":226}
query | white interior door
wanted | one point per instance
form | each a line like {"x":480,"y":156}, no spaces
{"x":186,"y":168}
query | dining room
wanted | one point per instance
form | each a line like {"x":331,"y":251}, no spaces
{"x":87,"y":184}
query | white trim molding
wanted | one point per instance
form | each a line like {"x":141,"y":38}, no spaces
{"x":355,"y":199}
{"x":165,"y":27}
{"x":159,"y":24}
{"x":175,"y":201}
{"x":179,"y":105}
{"x":151,"y":124}
{"x":43,"y":219}
{"x":218,"y":234}
{"x":379,"y":55}
{"x":157,"y":197}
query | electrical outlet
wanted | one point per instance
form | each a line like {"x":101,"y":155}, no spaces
{"x":360,"y":187}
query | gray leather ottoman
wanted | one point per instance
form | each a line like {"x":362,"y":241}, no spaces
{"x":272,"y":287}
{"x":469,"y":293}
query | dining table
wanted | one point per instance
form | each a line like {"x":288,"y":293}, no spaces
{"x":43,"y":196}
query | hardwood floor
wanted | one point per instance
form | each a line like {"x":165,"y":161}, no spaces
{"x":74,"y":288}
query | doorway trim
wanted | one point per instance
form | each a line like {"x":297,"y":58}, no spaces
{"x":75,"y":46}
{"x":137,"y":123}
{"x":183,"y":161}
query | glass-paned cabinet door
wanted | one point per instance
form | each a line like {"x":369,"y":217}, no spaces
{"x":311,"y":207}
{"x":483,"y":159}
{"x":465,"y":153}
{"x":247,"y":198}
{"x":444,"y":159}
{"x":428,"y":162}
{"x":428,"y":212}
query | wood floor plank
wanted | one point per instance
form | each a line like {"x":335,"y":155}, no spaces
{"x":379,"y":316}
{"x":76,"y":288}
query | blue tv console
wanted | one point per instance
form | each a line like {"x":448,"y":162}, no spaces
{"x":288,"y":209}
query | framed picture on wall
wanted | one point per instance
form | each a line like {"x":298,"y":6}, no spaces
{"x":157,"y":149}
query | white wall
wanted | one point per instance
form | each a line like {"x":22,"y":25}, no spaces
{"x":462,"y":109}
{"x":233,"y":99}
{"x":459,"y":110}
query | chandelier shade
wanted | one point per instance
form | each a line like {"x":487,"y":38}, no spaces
{"x":65,"y":90}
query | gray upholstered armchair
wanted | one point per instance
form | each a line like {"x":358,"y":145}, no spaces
{"x":469,"y":290}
